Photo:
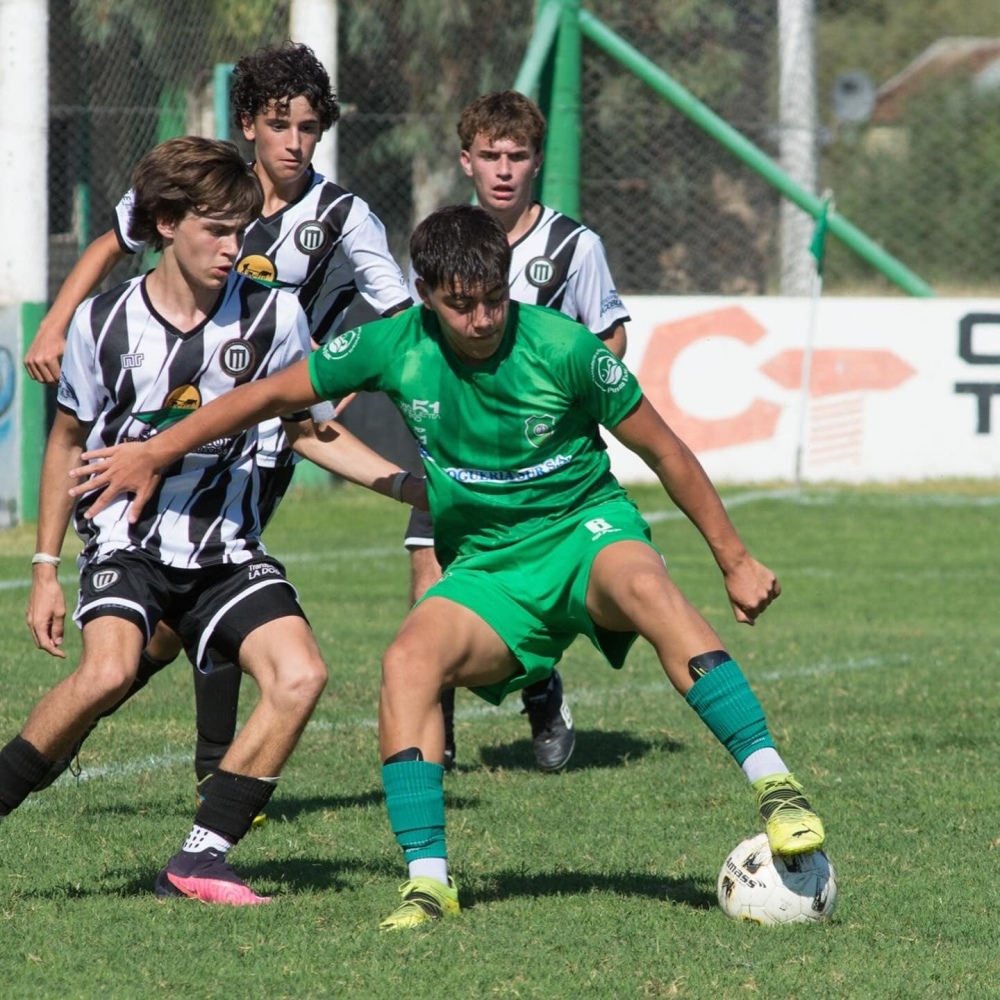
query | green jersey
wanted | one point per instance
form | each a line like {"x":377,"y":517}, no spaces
{"x":510,"y":445}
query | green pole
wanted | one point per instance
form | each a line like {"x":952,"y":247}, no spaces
{"x":32,"y":419}
{"x":221,"y":80}
{"x":561,"y":182}
{"x":740,"y":146}
{"x":546,"y":26}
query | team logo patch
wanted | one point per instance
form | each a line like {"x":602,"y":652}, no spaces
{"x":312,"y":237}
{"x":258,"y":267}
{"x":540,"y":271}
{"x":104,"y":578}
{"x":538,"y":428}
{"x":131,"y":361}
{"x":340,"y":347}
{"x":183,"y":400}
{"x":236,"y":357}
{"x":608,"y":372}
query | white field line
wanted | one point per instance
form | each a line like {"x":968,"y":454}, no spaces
{"x":582,"y":696}
{"x":340,"y":555}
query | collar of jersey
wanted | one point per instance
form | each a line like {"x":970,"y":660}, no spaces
{"x":463,"y":368}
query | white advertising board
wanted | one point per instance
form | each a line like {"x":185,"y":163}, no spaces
{"x":899,"y":389}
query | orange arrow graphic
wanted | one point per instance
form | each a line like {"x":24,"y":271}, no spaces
{"x":839,"y":371}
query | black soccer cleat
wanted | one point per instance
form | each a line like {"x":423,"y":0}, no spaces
{"x":552,"y":733}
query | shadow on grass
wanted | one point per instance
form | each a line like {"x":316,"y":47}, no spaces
{"x":595,"y":748}
{"x":698,"y":893}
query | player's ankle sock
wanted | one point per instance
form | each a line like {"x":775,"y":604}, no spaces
{"x":414,"y":798}
{"x":22,"y":767}
{"x":724,"y":702}
{"x":203,"y":839}
{"x":436,"y":868}
{"x":762,"y":764}
{"x":230,"y":802}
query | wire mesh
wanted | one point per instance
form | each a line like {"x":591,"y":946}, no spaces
{"x":906,"y":125}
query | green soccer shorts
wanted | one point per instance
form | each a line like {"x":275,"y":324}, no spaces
{"x":533,"y":594}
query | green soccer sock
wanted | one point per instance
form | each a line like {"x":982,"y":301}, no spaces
{"x":724,"y":702}
{"x":414,"y":797}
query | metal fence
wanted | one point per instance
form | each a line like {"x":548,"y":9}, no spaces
{"x":905,"y":123}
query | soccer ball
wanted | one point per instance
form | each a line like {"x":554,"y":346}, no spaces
{"x":763,"y":888}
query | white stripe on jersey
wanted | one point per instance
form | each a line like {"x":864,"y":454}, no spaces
{"x":128,"y":373}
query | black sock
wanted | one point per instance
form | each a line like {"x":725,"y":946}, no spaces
{"x":216,"y":695}
{"x":230,"y":802}
{"x":22,"y":767}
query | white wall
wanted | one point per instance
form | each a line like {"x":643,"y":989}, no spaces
{"x":900,"y":389}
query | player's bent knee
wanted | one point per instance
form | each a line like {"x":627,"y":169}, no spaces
{"x":102,"y":682}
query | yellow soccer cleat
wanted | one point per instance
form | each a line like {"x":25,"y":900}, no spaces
{"x":792,"y":826}
{"x":424,"y":900}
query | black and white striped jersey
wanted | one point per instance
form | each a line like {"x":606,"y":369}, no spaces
{"x":128,"y":373}
{"x":560,"y":263}
{"x":327,"y":248}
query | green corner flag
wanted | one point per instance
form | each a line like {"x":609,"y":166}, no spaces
{"x":818,"y":245}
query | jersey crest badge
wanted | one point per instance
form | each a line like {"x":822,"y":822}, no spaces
{"x":540,"y":271}
{"x":312,"y":237}
{"x":538,"y":428}
{"x":236,"y":357}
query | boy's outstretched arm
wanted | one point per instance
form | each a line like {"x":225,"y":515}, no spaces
{"x":336,"y":449}
{"x":750,"y":584}
{"x":136,"y":466}
{"x":44,"y":357}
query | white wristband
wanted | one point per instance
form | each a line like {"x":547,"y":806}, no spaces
{"x":44,"y":557}
{"x":397,"y":485}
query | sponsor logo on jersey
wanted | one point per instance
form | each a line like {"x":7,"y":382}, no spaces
{"x":509,"y":475}
{"x":258,"y":267}
{"x":598,"y":526}
{"x":312,"y":237}
{"x":421,"y":409}
{"x":257,"y":570}
{"x":183,"y":400}
{"x":236,"y":357}
{"x":608,"y":372}
{"x":540,"y":271}
{"x":538,"y":428}
{"x":131,"y":361}
{"x":340,"y":347}
{"x":611,"y":301}
{"x":104,"y":578}
{"x":66,"y":393}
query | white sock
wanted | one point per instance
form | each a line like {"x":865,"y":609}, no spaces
{"x":200,"y":839}
{"x":763,"y":763}
{"x":436,"y":868}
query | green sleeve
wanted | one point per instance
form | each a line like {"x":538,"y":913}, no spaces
{"x":601,"y":383}
{"x":348,"y":363}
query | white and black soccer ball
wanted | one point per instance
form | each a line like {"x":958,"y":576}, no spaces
{"x":763,"y":888}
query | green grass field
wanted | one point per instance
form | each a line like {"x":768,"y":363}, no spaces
{"x":876,"y":667}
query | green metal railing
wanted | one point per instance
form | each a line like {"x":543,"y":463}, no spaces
{"x":555,"y":47}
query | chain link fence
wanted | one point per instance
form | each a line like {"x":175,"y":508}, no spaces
{"x":905,"y":126}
